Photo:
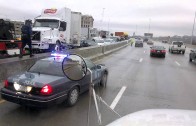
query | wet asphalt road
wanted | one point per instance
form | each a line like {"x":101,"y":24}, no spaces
{"x":150,"y":83}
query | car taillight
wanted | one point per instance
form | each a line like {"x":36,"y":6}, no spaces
{"x":152,"y":50}
{"x":163,"y":51}
{"x":46,"y":90}
{"x":6,"y":83}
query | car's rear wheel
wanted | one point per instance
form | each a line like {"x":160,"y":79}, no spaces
{"x":151,"y":54}
{"x":103,"y":82}
{"x":73,"y":96}
{"x":163,"y":56}
{"x":183,"y":52}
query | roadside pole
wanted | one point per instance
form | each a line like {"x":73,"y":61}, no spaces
{"x":193,"y":29}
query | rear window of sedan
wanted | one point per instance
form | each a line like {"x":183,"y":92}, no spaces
{"x":158,"y":47}
{"x":177,"y":43}
{"x":47,"y":67}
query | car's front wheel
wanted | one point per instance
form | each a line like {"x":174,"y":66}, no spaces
{"x":103,"y":82}
{"x":73,"y":96}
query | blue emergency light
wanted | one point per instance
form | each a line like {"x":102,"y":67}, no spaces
{"x":59,"y":55}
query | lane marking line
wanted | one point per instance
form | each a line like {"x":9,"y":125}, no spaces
{"x":141,"y":59}
{"x":2,"y":101}
{"x":117,"y":98}
{"x":177,"y":63}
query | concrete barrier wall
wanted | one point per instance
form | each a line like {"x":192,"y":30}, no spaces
{"x":9,"y":67}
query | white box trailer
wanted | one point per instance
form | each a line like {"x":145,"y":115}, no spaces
{"x":76,"y":28}
{"x":56,"y":27}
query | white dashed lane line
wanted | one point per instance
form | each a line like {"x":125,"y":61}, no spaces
{"x":177,"y":63}
{"x":119,"y":95}
{"x":141,"y":59}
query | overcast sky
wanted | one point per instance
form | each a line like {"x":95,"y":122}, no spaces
{"x":166,"y":17}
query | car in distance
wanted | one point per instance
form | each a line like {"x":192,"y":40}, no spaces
{"x":150,"y":42}
{"x":139,"y":43}
{"x":108,"y":41}
{"x":164,"y":41}
{"x":192,"y":55}
{"x":157,"y":51}
{"x":45,"y":84}
{"x":177,"y":46}
{"x":87,"y":43}
{"x":115,"y":38}
{"x":145,"y":40}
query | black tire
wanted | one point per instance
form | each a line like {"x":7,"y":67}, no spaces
{"x":103,"y":82}
{"x":73,"y":96}
{"x":51,"y":47}
{"x":151,"y":55}
{"x":183,"y":52}
{"x":58,"y":45}
{"x":171,"y":51}
{"x":190,"y":59}
{"x":163,"y":56}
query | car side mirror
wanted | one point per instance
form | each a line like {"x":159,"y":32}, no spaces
{"x":73,"y":66}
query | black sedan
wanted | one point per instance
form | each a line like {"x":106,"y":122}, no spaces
{"x":139,"y":43}
{"x":192,"y":55}
{"x":45,"y":84}
{"x":158,"y":51}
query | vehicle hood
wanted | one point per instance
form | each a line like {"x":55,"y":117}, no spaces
{"x":34,"y":79}
{"x":159,"y":117}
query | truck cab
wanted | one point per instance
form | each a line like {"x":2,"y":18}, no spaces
{"x":52,"y":29}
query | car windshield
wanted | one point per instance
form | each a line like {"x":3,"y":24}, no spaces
{"x":43,"y":66}
{"x":46,"y":23}
{"x":177,"y":43}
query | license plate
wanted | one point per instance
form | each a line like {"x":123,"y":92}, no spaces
{"x":158,"y":51}
{"x":22,"y":88}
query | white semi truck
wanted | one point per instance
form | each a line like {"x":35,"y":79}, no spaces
{"x":56,"y":28}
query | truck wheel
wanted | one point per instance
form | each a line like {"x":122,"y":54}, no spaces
{"x":58,"y":45}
